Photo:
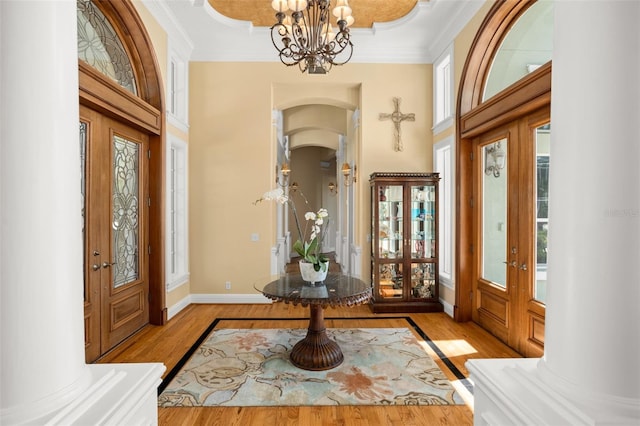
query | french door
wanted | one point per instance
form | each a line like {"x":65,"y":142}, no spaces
{"x":510,"y":170}
{"x":115,"y":212}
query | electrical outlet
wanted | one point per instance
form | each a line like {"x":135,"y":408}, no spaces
{"x":227,"y":285}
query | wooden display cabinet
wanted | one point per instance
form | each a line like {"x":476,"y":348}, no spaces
{"x":404,"y":242}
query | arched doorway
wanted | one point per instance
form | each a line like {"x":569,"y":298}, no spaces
{"x":315,"y":136}
{"x":501,"y":140}
{"x":122,"y":126}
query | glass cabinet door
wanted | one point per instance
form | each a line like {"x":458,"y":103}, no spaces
{"x":391,"y":281}
{"x":390,"y":229}
{"x":423,"y":222}
{"x":423,"y":280}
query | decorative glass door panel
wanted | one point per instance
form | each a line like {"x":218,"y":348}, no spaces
{"x":494,"y":213}
{"x":126,"y":205}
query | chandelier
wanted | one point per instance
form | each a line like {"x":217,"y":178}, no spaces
{"x":305,"y":36}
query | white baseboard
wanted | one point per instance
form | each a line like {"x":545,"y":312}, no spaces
{"x":229,"y":298}
{"x":448,"y":307}
{"x":173,"y":310}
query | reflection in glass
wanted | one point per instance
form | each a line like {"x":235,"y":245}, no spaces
{"x":390,"y":280}
{"x":390,"y":226}
{"x":423,"y":280}
{"x":494,"y":220}
{"x":125,"y":211}
{"x":543,"y":137}
{"x":423,"y":207}
{"x":527,"y":45}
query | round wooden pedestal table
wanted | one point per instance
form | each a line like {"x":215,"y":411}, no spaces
{"x":317,"y":351}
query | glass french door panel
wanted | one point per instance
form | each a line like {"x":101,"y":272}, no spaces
{"x":494,"y":213}
{"x":542,"y":141}
{"x":390,"y":223}
{"x":390,"y":279}
{"x":423,"y":280}
{"x":83,"y":193}
{"x":423,"y":221}
{"x":126,"y":211}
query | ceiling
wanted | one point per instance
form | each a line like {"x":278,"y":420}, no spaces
{"x":396,"y":31}
{"x":365,"y":12}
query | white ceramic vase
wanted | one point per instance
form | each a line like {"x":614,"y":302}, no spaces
{"x":311,"y":275}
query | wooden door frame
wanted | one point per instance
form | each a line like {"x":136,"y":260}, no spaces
{"x":474,"y":117}
{"x":145,"y":112}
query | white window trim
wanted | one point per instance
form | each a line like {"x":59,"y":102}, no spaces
{"x":177,"y":90}
{"x":175,"y":279}
{"x":447,"y":116}
{"x":444,"y":164}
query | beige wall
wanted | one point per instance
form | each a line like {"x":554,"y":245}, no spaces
{"x":232,"y":153}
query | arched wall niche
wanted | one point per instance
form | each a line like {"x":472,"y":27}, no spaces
{"x":145,"y":112}
{"x":473,"y":117}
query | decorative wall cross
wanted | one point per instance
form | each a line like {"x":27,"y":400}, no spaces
{"x":397,"y":117}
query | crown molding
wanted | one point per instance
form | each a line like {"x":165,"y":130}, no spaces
{"x":417,"y":38}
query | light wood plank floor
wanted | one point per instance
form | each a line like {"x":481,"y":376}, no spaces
{"x":167,"y":344}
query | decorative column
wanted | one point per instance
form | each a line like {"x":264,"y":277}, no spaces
{"x":590,"y":372}
{"x":44,"y":378}
{"x":592,"y":343}
{"x":41,"y":295}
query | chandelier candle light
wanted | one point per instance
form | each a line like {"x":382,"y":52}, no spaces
{"x":305,"y":37}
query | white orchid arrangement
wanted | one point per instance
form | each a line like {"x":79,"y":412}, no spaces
{"x":309,"y":249}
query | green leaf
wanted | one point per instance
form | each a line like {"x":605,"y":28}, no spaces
{"x":297,"y":246}
{"x":313,"y":245}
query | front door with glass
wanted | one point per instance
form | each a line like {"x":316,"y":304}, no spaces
{"x":114,"y":188}
{"x":510,"y":222}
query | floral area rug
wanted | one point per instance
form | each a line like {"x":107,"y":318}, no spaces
{"x":251,"y":367}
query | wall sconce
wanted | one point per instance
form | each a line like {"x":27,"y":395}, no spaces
{"x":495,"y":158}
{"x":285,"y":171}
{"x":333,"y":188}
{"x":348,"y":177}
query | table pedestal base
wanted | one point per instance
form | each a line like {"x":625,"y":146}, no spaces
{"x":316,"y":351}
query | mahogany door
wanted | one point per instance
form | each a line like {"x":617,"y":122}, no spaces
{"x":510,"y":223}
{"x":115,"y":212}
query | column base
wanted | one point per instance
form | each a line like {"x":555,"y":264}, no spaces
{"x":519,"y":392}
{"x":117,"y":394}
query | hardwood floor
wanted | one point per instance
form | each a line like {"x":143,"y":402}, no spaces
{"x":167,"y":344}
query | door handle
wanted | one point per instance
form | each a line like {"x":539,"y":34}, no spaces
{"x":512,"y":263}
{"x":107,"y":264}
{"x":95,"y":267}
